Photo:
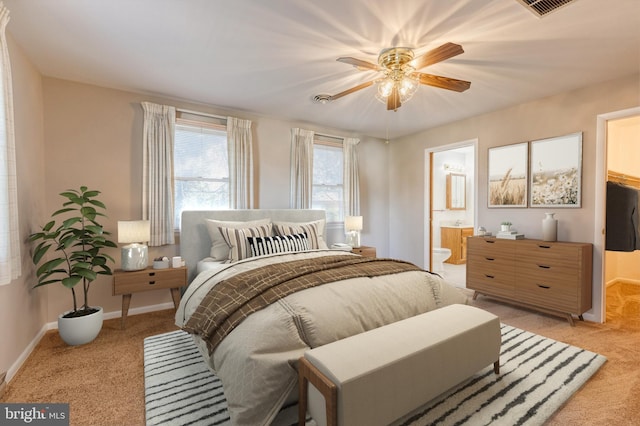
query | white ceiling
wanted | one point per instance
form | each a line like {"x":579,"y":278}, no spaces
{"x":270,"y":57}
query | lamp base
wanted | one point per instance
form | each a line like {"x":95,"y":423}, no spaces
{"x":135,"y":257}
{"x":353,"y":238}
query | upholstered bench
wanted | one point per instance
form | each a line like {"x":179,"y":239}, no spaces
{"x":378,"y":376}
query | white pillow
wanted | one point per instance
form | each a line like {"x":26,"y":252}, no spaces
{"x":219,"y":248}
{"x":238,"y":240}
{"x":313,"y":230}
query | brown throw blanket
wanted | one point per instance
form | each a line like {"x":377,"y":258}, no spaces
{"x":235,"y":298}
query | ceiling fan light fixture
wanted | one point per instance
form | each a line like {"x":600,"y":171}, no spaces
{"x":385,"y":87}
{"x":407,"y":87}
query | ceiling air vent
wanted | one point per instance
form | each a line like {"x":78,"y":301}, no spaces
{"x":543,"y":7}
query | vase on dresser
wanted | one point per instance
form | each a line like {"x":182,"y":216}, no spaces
{"x":549,"y":227}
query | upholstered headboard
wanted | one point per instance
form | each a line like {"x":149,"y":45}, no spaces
{"x":195,"y":243}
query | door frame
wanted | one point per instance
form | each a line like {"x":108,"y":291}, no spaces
{"x":599,"y":284}
{"x":428,"y":217}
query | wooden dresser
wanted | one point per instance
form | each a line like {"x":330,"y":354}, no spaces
{"x":552,"y":277}
{"x":455,"y":239}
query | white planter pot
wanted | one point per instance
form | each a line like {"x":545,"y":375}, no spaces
{"x":80,"y":330}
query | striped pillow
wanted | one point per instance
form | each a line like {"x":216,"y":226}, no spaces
{"x":259,"y":246}
{"x":236,"y":239}
{"x":312,"y":229}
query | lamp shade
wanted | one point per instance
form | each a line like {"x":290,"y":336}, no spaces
{"x":134,"y":231}
{"x":353,"y":223}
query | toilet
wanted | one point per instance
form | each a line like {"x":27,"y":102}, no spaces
{"x":439,"y":256}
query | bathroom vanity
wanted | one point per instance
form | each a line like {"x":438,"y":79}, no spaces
{"x":454,"y":238}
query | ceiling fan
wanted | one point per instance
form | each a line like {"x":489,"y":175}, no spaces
{"x":401,"y":78}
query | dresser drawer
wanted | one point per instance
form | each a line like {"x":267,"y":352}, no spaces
{"x":491,"y":283}
{"x":549,"y":253}
{"x":148,"y":279}
{"x":491,"y":247}
{"x":550,"y":295}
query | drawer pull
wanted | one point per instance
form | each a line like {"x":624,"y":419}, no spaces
{"x":152,"y":282}
{"x":489,"y":241}
{"x":544,"y":266}
{"x":152,"y":274}
{"x":491,"y":259}
{"x":489,"y":276}
{"x":544,"y":247}
{"x":544,"y":286}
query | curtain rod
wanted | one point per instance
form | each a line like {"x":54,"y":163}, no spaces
{"x":201,"y":113}
{"x":342,"y":138}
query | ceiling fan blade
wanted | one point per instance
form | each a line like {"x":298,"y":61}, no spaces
{"x":353,"y":89}
{"x":393,"y":100}
{"x":442,"y":82}
{"x":446,"y":51}
{"x":358,"y":63}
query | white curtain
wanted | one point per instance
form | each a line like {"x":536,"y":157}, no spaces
{"x":239,"y":144}
{"x":157,"y":179}
{"x":10,"y":261}
{"x":350,"y":176}
{"x":301,"y":168}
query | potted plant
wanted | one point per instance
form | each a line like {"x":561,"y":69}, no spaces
{"x":76,"y":256}
{"x":505,"y":226}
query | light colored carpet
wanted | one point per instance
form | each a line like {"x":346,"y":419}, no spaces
{"x":537,"y":376}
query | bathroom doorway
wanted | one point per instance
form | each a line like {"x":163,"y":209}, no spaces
{"x":451,"y":208}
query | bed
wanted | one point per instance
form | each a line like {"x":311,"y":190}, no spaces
{"x":255,"y":316}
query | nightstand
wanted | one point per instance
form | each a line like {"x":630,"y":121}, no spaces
{"x":365,"y":251}
{"x":128,"y":282}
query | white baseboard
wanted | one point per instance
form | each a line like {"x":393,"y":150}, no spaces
{"x":25,"y":354}
{"x":11,"y":372}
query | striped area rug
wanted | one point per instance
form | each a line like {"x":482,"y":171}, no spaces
{"x":537,"y":375}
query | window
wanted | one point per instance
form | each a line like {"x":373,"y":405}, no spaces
{"x":201,"y":168}
{"x":327,"y":189}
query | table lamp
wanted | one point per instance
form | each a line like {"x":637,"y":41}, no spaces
{"x":135,"y":255}
{"x":353,"y":226}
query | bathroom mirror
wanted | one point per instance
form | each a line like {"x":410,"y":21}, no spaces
{"x":456,"y":191}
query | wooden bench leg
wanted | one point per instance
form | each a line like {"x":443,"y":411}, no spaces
{"x":496,"y":367}
{"x":308,"y":373}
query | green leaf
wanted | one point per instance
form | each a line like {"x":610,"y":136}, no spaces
{"x":57,"y":212}
{"x":71,"y":282}
{"x":88,"y":274}
{"x":48,"y":226}
{"x":71,"y":193}
{"x":94,"y":229}
{"x":40,"y":251}
{"x":71,"y":221}
{"x":90,"y":194}
{"x":48,"y":266}
{"x":88,"y":212}
{"x":98,"y":203}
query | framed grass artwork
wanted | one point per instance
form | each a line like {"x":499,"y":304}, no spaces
{"x":556,"y":171}
{"x":508,"y":175}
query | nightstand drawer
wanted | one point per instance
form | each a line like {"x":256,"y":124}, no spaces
{"x":365,"y":251}
{"x":148,"y":279}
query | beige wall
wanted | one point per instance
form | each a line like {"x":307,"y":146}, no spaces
{"x":623,"y":152}
{"x":566,"y":113}
{"x":23,"y":309}
{"x":93,"y":138}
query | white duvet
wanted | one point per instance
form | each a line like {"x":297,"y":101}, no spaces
{"x":256,"y":362}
